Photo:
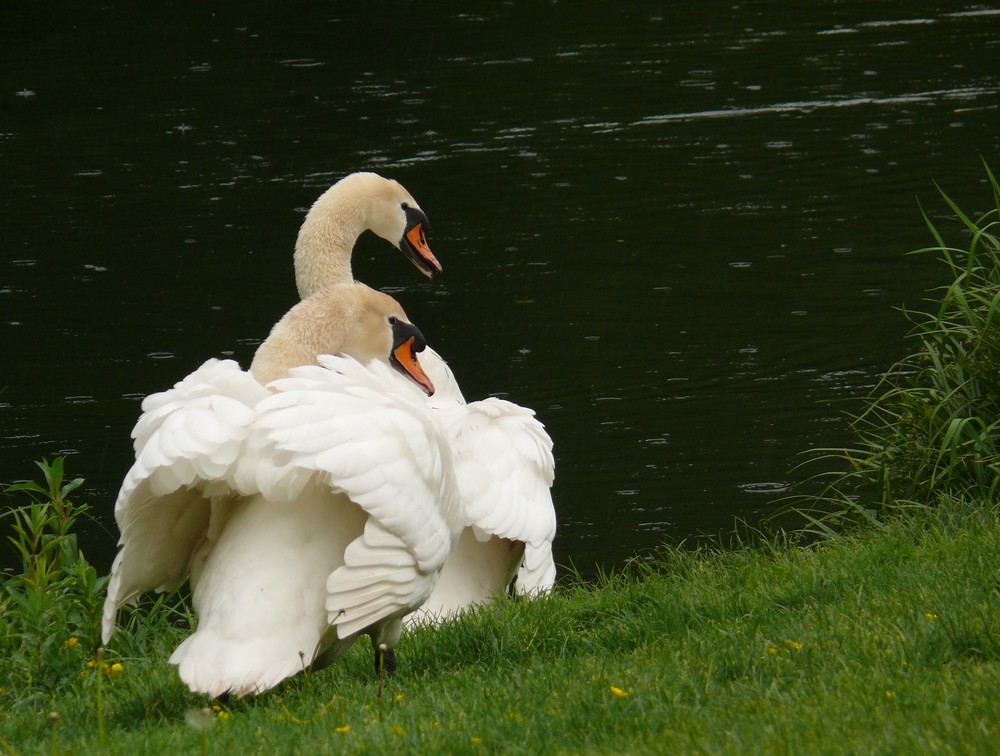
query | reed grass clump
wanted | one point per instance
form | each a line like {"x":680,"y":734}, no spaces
{"x":931,"y":425}
{"x":49,"y":610}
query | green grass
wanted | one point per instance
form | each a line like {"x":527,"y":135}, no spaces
{"x":883,"y":636}
{"x":882,"y":642}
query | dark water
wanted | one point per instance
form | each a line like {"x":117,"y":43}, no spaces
{"x":676,"y":230}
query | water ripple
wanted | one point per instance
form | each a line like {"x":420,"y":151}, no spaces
{"x":770,"y":487}
{"x":301,"y":63}
{"x":807,"y":106}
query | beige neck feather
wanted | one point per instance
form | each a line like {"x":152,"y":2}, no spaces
{"x":332,"y":226}
{"x":350,"y":319}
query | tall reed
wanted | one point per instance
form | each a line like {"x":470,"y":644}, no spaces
{"x":931,"y":425}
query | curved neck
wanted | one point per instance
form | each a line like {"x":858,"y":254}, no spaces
{"x":314,"y":326}
{"x":326,"y":240}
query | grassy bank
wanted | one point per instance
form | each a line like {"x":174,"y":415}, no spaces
{"x":886,"y":641}
{"x":883,"y":635}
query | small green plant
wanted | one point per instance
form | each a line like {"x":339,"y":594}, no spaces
{"x":931,"y":426}
{"x":50,"y":610}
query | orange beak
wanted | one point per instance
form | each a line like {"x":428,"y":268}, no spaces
{"x":417,"y":240}
{"x":404,"y":359}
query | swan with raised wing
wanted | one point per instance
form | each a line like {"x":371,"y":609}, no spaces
{"x":503,"y":455}
{"x":309,"y":500}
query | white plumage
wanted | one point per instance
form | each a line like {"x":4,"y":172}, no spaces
{"x":504,"y":461}
{"x":304,"y":517}
{"x":504,"y":468}
{"x":344,"y":500}
{"x":188,"y":443}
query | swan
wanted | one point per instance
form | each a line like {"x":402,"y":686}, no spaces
{"x":308,"y":501}
{"x":503,"y":455}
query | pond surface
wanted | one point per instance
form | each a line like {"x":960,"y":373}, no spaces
{"x":678,"y":231}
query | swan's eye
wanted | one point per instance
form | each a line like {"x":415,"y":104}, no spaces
{"x":405,"y":206}
{"x":392,"y":320}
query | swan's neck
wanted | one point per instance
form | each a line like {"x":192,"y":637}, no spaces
{"x":326,"y":240}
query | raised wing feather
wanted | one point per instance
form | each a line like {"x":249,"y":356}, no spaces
{"x":369,"y":434}
{"x":538,"y":570}
{"x":505,"y":469}
{"x":188,"y":444}
{"x":446,"y":391}
{"x":379,"y":580}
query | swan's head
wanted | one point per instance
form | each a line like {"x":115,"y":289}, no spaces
{"x":357,"y":203}
{"x":378,"y":329}
{"x":397,"y":218}
{"x":350,"y":319}
{"x":407,"y":341}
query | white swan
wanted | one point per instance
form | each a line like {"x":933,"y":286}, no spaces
{"x":304,"y":517}
{"x":504,"y":462}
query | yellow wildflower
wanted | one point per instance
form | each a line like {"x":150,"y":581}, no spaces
{"x":398,"y":698}
{"x":794,"y":645}
{"x":70,"y":642}
{"x":91,"y":664}
{"x":222,"y":716}
{"x":889,"y":694}
{"x":930,"y":616}
{"x":476,"y":741}
{"x":772,"y":650}
{"x":396,"y":730}
{"x":116,"y":669}
{"x":618,"y":692}
{"x":343,"y":729}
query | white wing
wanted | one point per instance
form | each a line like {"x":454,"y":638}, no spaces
{"x":188,"y":444}
{"x":505,"y":469}
{"x":503,"y":461}
{"x":368,"y":434}
{"x":447,"y":394}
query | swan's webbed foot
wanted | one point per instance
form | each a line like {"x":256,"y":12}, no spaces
{"x":385,"y":661}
